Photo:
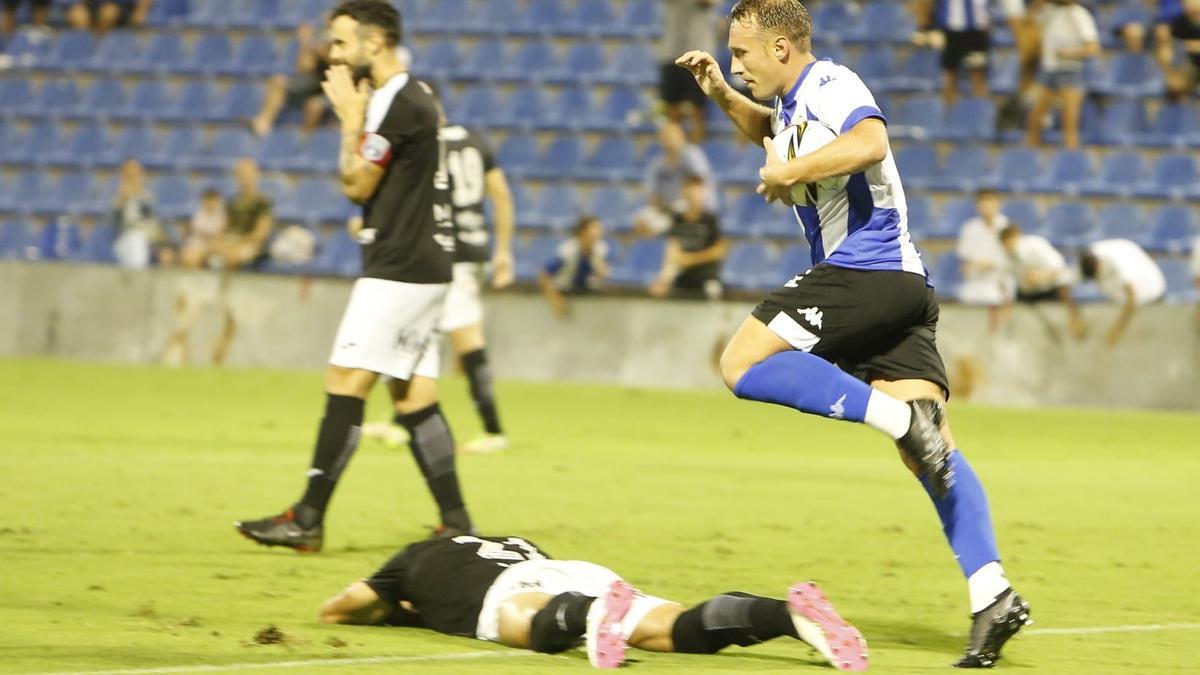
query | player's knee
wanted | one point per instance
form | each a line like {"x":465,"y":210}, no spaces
{"x":732,"y":366}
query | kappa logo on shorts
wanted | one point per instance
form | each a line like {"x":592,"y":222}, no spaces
{"x":814,"y":316}
{"x":838,"y":410}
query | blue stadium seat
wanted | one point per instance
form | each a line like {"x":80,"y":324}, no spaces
{"x":1015,"y":170}
{"x":177,"y":150}
{"x":522,"y":202}
{"x":277,"y":189}
{"x":1171,"y":229}
{"x":641,"y":263}
{"x":106,"y":97}
{"x":212,"y":13}
{"x":499,"y":17}
{"x":133,"y":141}
{"x":953,"y":215}
{"x":633,"y":64}
{"x":1119,"y":175}
{"x":317,"y":200}
{"x":447,"y":16}
{"x":118,"y":52}
{"x":440,"y":60}
{"x":15,"y":238}
{"x":241,"y":102}
{"x":167,"y":13}
{"x":532,"y":257}
{"x":750,"y":265}
{"x":23,"y":191}
{"x":620,"y":111}
{"x":15,"y":94}
{"x":556,"y":207}
{"x":1122,"y":123}
{"x":1071,"y":224}
{"x":1023,"y":212}
{"x":1181,"y":281}
{"x":164,"y":54}
{"x":641,"y":19}
{"x":518,"y":155}
{"x":596,"y":18}
{"x":226,"y":148}
{"x":479,"y":106}
{"x":532,"y":62}
{"x":256,"y":13}
{"x":972,"y":119}
{"x":527,"y":109}
{"x":585,"y":62}
{"x":918,"y":118}
{"x":279,"y":149}
{"x":255,"y":56}
{"x":175,"y":196}
{"x":29,"y":49}
{"x":612,"y":206}
{"x":98,"y":245}
{"x":211,"y":55}
{"x":947,"y":275}
{"x":834,"y":18}
{"x":318,"y":155}
{"x":613,"y":159}
{"x":147,"y":100}
{"x":35,"y":146}
{"x":794,"y":260}
{"x":570,"y":109}
{"x":1122,"y":221}
{"x":920,"y":216}
{"x":484,"y":61}
{"x":1005,"y":73}
{"x":779,"y":222}
{"x":338,"y":255}
{"x":194,"y":100}
{"x":882,"y":21}
{"x":1068,"y":172}
{"x":751,"y":215}
{"x":876,"y":66}
{"x":1128,"y":74}
{"x":962,"y":169}
{"x":56,"y":98}
{"x":1176,"y":126}
{"x":918,"y":164}
{"x":1173,"y":177}
{"x":920,"y":72}
{"x":723,"y":156}
{"x":545,"y":17}
{"x":71,"y":52}
{"x":86,"y":147}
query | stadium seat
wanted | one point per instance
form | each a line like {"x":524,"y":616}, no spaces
{"x":22,"y":192}
{"x":963,"y":169}
{"x":971,"y":119}
{"x":1023,"y":212}
{"x":527,"y":109}
{"x":623,"y":110}
{"x":118,"y":52}
{"x":484,"y":61}
{"x":881,"y":21}
{"x":167,"y":13}
{"x":751,"y":214}
{"x":211,"y":55}
{"x":211,"y":13}
{"x":57,"y":97}
{"x":29,"y":49}
{"x":641,"y":264}
{"x":175,"y":197}
{"x":556,"y":207}
{"x":947,"y":275}
{"x":953,"y":215}
{"x":241,"y":102}
{"x":595,"y":18}
{"x":315,"y":201}
{"x":279,"y":149}
{"x":518,"y":155}
{"x":613,"y":159}
{"x":15,"y":94}
{"x":318,"y":155}
{"x":920,"y":216}
{"x":1015,"y":170}
{"x":545,"y":17}
{"x":60,"y":240}
{"x":338,"y":255}
{"x":98,"y":245}
{"x":1068,"y":172}
{"x":1120,"y":173}
{"x":445,"y":16}
{"x":1122,"y":123}
{"x":193,"y":102}
{"x":876,"y":66}
{"x":918,"y":164}
{"x":533,"y":256}
{"x":146,"y":101}
{"x":1177,"y":125}
{"x":568,"y":112}
{"x":919,"y":118}
{"x":779,"y":222}
{"x":135,"y":141}
{"x":1171,"y":229}
{"x":1071,"y":224}
{"x":633,"y":64}
{"x":499,"y":17}
{"x":921,"y":72}
{"x":1181,"y":281}
{"x":793,"y":260}
{"x":522,"y":202}
{"x":1173,"y":177}
{"x":440,"y":60}
{"x":1134,"y":75}
{"x":641,"y":19}
{"x":163,"y":55}
{"x":750,"y":265}
{"x":533,"y":62}
{"x":479,"y":106}
{"x":226,"y":148}
{"x":834,"y":18}
{"x":724,"y":157}
{"x":1122,"y":221}
{"x":255,"y":56}
{"x":35,"y":146}
{"x":85,"y":147}
{"x":15,"y":238}
{"x":585,"y":62}
{"x":105,"y":98}
{"x":71,"y":51}
{"x":611,"y":205}
{"x":256,"y":13}
{"x":1004,"y":74}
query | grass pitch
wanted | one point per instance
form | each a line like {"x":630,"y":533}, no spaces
{"x":120,"y":485}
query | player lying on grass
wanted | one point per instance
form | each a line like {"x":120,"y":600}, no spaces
{"x":507,"y":590}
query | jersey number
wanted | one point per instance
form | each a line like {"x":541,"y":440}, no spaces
{"x":466,"y":168}
{"x":500,"y":550}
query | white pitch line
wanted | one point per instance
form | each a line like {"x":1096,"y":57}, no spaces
{"x":1094,"y":630}
{"x":307,"y":663}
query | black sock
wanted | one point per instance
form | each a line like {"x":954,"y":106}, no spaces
{"x":479,"y":374}
{"x":560,"y":624}
{"x":433,"y":447}
{"x":336,"y":442}
{"x":731,"y":619}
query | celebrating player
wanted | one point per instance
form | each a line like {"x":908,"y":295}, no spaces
{"x":391,"y":161}
{"x":866,"y":304}
{"x":507,"y":590}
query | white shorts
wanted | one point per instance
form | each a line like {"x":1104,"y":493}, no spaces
{"x":554,"y":577}
{"x":391,"y":328}
{"x":464,"y":307}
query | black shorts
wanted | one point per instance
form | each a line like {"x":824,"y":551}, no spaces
{"x":12,"y":5}
{"x":878,"y":325}
{"x":1050,"y":295}
{"x":676,"y":85}
{"x":966,"y":49}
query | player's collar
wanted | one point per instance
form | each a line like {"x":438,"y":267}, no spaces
{"x":789,"y":99}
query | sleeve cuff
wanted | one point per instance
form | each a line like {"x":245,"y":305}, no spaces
{"x":859,"y":114}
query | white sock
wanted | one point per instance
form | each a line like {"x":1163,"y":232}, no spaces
{"x":985,"y":585}
{"x":887,"y":414}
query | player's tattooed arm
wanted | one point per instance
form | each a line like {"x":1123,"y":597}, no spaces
{"x":752,"y":119}
{"x":359,"y":176}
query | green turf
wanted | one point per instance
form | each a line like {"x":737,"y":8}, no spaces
{"x":119,"y":486}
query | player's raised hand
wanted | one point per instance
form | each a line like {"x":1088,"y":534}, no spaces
{"x":704,"y":68}
{"x":502,"y":270}
{"x":349,"y":101}
{"x":774,"y":185}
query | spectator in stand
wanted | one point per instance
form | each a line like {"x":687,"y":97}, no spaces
{"x":140,"y":240}
{"x":579,"y":266}
{"x":688,"y":25}
{"x":206,"y":229}
{"x":1168,"y":11}
{"x":962,"y":30}
{"x":1127,"y":275}
{"x":1130,"y":25}
{"x":8,"y":19}
{"x":1041,"y":273}
{"x":301,"y":90}
{"x":247,"y":225}
{"x":695,"y":249}
{"x":987,"y":279}
{"x":1069,"y":37}
{"x":1184,"y":31}
{"x":663,"y":180}
{"x":104,"y":15}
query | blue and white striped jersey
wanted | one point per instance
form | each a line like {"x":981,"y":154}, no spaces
{"x":865,"y":224}
{"x":962,"y":15}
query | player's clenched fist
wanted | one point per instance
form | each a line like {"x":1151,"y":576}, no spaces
{"x":704,"y":68}
{"x":349,"y":102}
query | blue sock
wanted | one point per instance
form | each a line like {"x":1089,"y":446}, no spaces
{"x":966,"y":519}
{"x":806,"y":383}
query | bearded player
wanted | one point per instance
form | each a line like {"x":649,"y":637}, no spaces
{"x":393,"y":163}
{"x":508,"y":590}
{"x":852,"y":338}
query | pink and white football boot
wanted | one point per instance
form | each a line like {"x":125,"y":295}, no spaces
{"x":819,"y":625}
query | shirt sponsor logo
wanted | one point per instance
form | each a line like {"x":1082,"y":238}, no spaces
{"x":814,"y":316}
{"x":838,"y":410}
